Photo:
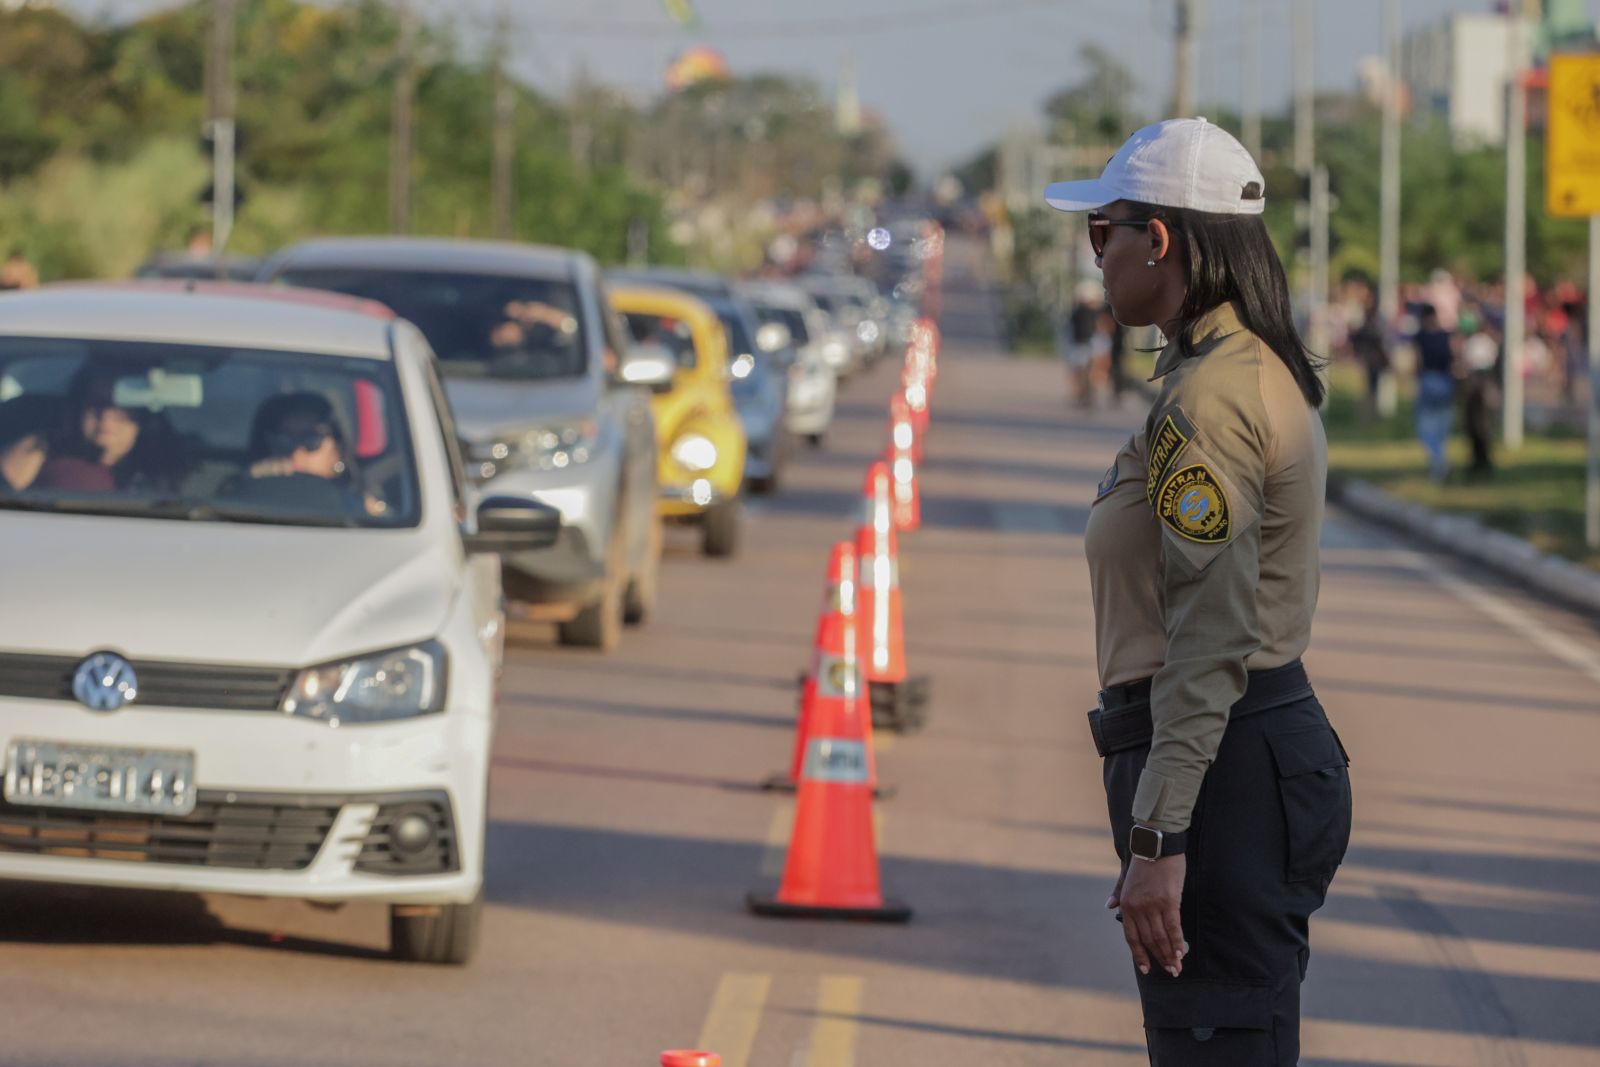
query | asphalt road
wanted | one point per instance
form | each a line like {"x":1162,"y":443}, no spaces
{"x":1463,"y":930}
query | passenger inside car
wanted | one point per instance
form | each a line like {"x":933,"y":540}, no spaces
{"x":106,"y":446}
{"x":25,"y":424}
{"x":297,"y":459}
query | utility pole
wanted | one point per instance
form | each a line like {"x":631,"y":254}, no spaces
{"x":1389,"y":189}
{"x":1305,"y":152}
{"x":1184,"y":75}
{"x":1321,"y":210}
{"x":402,"y":121}
{"x":220,"y":128}
{"x":1516,"y":226}
{"x":1252,"y":78}
{"x":505,"y":114}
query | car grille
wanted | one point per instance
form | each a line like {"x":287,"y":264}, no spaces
{"x":247,"y":834}
{"x":380,"y":854}
{"x":165,"y":685}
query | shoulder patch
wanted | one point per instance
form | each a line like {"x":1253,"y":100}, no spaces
{"x":1193,"y":503}
{"x":1172,"y":434}
{"x":1108,"y":483}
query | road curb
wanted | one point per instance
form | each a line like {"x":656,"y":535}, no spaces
{"x":1511,"y":557}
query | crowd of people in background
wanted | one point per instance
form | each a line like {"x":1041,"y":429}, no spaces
{"x":1449,"y":340}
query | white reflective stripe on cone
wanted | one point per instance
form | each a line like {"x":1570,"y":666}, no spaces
{"x":830,"y":759}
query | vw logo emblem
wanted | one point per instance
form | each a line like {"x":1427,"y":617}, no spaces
{"x":104,"y":682}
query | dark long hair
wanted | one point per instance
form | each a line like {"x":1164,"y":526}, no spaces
{"x":1230,"y":258}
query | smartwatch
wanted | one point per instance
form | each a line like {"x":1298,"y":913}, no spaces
{"x":1151,"y":845}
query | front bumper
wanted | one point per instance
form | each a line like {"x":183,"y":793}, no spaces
{"x":285,"y":808}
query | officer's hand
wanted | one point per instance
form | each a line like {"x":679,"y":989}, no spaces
{"x":1150,"y":894}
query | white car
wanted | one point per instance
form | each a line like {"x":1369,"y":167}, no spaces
{"x":252,"y":628}
{"x":819,"y":355}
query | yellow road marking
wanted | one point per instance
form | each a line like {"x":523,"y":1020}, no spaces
{"x":777,"y":848}
{"x":730,"y":1027}
{"x":833,"y":1035}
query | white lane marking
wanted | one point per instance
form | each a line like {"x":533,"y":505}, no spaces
{"x":1508,"y":615}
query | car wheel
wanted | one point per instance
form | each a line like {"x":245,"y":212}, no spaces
{"x":640,"y":602}
{"x":447,"y":935}
{"x":720,"y":535}
{"x":764,"y":486}
{"x":599,"y":623}
{"x":814,"y":440}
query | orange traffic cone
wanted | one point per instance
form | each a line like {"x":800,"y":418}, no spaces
{"x":832,"y":868}
{"x":898,"y":701}
{"x":824,"y":689}
{"x":683,"y":1057}
{"x":902,"y":461}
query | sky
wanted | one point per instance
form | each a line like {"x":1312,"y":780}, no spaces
{"x":948,"y":76}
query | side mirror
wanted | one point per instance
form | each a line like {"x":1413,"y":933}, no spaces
{"x":773,"y":336}
{"x":508,"y":524}
{"x":648,"y":365}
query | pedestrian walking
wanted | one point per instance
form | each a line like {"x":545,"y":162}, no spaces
{"x":1436,"y":390}
{"x":1226,"y":787}
{"x":1480,"y":392}
{"x":1082,"y":330}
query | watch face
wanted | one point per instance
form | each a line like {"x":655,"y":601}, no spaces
{"x":1144,"y":842}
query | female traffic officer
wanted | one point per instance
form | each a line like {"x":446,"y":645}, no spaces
{"x":1227,"y":788}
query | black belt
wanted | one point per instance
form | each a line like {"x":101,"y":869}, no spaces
{"x":1122,"y":721}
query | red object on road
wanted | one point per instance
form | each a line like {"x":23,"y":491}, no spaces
{"x":902,"y":457}
{"x":690,"y":1058}
{"x":832,"y":866}
{"x":882,"y":629}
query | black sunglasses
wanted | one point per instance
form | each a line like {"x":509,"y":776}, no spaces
{"x":1100,"y":229}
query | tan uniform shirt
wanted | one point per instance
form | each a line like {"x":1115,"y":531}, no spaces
{"x":1202,"y":547}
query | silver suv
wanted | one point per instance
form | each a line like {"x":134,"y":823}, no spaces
{"x":547,"y":398}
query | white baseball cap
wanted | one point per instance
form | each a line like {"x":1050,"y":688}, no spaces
{"x":1182,"y":163}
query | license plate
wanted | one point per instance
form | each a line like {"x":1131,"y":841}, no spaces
{"x":50,"y":774}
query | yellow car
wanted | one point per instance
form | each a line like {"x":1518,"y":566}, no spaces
{"x":702,"y":442}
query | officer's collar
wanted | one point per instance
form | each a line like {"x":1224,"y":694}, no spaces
{"x":1209,"y":330}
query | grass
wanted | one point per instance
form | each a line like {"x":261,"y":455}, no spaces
{"x":1536,"y":492}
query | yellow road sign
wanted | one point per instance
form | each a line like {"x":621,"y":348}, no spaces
{"x":1572,"y":141}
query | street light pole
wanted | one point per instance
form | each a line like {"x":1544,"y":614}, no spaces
{"x":1183,"y":67}
{"x":401,"y":120}
{"x":1389,"y":209}
{"x":220,"y":121}
{"x":1592,"y":511}
{"x":1252,"y":78}
{"x":1516,"y":224}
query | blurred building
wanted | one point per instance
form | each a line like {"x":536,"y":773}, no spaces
{"x":1457,"y":69}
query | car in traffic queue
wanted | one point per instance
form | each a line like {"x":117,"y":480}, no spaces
{"x":759,"y":380}
{"x":547,"y":402}
{"x":806,"y":330}
{"x":255,"y":619}
{"x":699,"y":435}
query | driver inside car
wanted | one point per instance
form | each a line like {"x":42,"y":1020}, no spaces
{"x":297,"y":459}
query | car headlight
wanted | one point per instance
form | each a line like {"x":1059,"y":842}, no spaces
{"x":384,"y":686}
{"x":835,"y":352}
{"x":694,"y":453}
{"x":868,"y":331}
{"x":553,"y":447}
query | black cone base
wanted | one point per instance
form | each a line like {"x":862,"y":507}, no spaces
{"x":766,"y":904}
{"x":901,"y":706}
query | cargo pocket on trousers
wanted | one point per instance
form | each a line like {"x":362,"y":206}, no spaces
{"x":1315,"y":786}
{"x":1209,"y":1024}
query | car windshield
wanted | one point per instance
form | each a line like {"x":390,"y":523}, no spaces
{"x":479,"y":325}
{"x":673,"y":335}
{"x":789,"y":317}
{"x":745,"y":367}
{"x":199,"y":433}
